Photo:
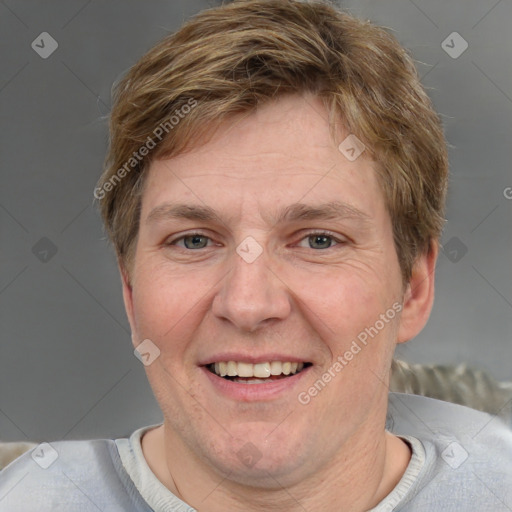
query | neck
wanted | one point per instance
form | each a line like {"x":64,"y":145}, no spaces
{"x":361,"y":475}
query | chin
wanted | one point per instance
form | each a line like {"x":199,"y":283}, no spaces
{"x":254,"y":458}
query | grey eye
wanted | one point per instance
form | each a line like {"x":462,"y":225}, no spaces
{"x":195,"y":241}
{"x":320,"y":241}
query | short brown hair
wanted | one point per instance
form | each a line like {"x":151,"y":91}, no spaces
{"x":229,"y":59}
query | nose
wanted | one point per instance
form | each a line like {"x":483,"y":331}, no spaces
{"x":251,"y":294}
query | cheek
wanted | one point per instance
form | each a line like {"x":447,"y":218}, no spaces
{"x":344,"y":302}
{"x":161,"y":303}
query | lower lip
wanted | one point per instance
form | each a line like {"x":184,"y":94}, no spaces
{"x":253,"y":392}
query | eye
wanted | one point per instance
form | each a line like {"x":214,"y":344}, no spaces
{"x":192,"y":241}
{"x":320,"y":240}
{"x":315,"y":240}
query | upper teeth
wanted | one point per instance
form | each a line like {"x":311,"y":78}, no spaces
{"x":259,"y":370}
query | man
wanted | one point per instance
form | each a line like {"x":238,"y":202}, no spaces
{"x":274,"y":191}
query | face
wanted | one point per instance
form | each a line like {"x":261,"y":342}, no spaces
{"x":266,"y":251}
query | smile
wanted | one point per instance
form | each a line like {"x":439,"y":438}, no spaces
{"x":248,"y":373}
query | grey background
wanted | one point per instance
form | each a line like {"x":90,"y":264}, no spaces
{"x":67,"y":369}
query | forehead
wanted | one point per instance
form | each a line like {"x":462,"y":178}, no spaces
{"x":281,"y":154}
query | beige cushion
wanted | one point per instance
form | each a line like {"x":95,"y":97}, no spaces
{"x":10,"y":451}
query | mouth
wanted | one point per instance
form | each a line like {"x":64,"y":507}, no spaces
{"x":259,"y":373}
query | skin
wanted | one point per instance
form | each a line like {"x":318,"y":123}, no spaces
{"x":299,"y":297}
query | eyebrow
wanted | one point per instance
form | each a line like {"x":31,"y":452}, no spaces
{"x":334,"y":210}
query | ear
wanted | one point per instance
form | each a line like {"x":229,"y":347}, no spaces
{"x":128,"y":297}
{"x":419,"y":295}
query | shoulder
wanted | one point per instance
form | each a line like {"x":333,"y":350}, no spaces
{"x":468,"y":454}
{"x":68,"y":475}
{"x":441,"y":420}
